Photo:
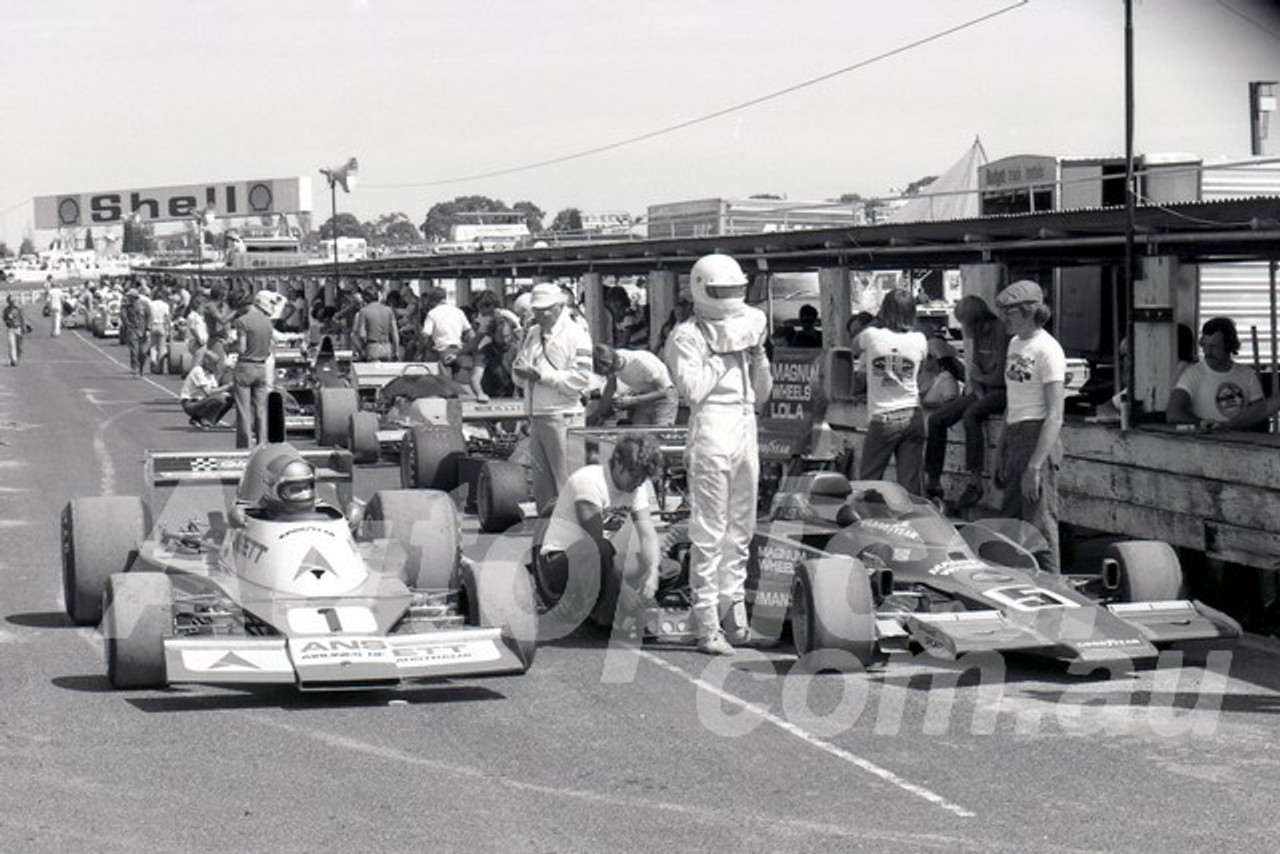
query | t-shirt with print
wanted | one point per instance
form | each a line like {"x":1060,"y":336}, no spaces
{"x":893,"y":361}
{"x":1218,"y":396}
{"x":595,"y":485}
{"x":1031,"y":364}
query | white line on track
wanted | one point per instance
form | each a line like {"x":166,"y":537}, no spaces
{"x":801,"y":733}
{"x":698,"y":813}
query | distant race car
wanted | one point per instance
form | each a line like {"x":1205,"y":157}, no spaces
{"x":857,"y":569}
{"x":282,"y":587}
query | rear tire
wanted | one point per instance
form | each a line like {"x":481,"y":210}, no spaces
{"x":138,"y":617}
{"x":833,"y":612}
{"x":100,"y":536}
{"x":500,"y":488}
{"x":1149,"y":571}
{"x":425,"y":525}
{"x":364,"y":437}
{"x":429,"y":457}
{"x":334,"y":408}
{"x":499,"y":595}
{"x":177,"y":349}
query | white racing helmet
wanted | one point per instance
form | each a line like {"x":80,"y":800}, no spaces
{"x":270,"y":303}
{"x":290,"y":484}
{"x":719,"y":287}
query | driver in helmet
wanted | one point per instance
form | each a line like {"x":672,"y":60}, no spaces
{"x":719,"y":366}
{"x":289,"y":491}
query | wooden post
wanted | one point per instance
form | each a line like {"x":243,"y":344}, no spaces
{"x":985,"y":280}
{"x":462,"y":292}
{"x":1154,"y":348}
{"x":662,"y":286}
{"x":835,"y":294}
{"x":598,"y":317}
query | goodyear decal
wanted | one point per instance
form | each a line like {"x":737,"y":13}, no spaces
{"x":1110,"y":642}
{"x":308,"y":529}
{"x":951,"y":567}
{"x":895,"y":529}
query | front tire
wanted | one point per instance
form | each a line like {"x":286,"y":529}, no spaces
{"x":425,"y":525}
{"x":500,"y":488}
{"x":334,"y":408}
{"x":364,"y":437}
{"x":429,"y":457}
{"x":833,"y":612}
{"x":499,"y":595}
{"x":138,"y":617}
{"x":1149,"y":571}
{"x":100,"y":536}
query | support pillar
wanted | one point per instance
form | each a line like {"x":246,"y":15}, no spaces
{"x":598,"y":317}
{"x":984,"y":280}
{"x":1162,"y":297}
{"x":663,"y":288}
{"x":835,"y":290}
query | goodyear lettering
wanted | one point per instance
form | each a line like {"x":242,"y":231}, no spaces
{"x":246,"y":547}
{"x":950,"y":567}
{"x":1109,"y":642}
{"x":309,"y":529}
{"x":897,"y":529}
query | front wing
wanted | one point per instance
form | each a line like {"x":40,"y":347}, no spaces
{"x":346,"y":662}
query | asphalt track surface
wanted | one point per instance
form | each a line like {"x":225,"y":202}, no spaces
{"x":596,"y":748}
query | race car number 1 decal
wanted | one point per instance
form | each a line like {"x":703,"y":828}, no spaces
{"x":332,"y":620}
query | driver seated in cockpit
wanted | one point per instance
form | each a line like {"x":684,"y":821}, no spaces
{"x":281,"y":487}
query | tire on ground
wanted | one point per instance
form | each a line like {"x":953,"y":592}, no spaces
{"x":1149,"y":570}
{"x":499,"y":595}
{"x":138,"y":616}
{"x":833,"y":615}
{"x":363,"y":431}
{"x":176,"y":351}
{"x":429,"y":457}
{"x":501,"y":486}
{"x":425,"y":526}
{"x":334,"y":408}
{"x":99,"y":537}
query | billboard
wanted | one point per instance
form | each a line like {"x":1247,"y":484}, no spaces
{"x":159,"y":204}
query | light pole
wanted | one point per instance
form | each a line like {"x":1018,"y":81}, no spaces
{"x":346,"y":176}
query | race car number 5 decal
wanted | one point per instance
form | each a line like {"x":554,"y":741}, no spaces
{"x":1028,"y":597}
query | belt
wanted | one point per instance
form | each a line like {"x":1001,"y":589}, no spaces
{"x":896,"y":416}
{"x":252,"y":361}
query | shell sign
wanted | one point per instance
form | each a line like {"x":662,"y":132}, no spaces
{"x":156,"y":204}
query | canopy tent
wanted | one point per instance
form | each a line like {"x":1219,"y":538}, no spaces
{"x":952,"y":195}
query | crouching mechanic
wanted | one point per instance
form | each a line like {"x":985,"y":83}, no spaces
{"x":203,"y":400}
{"x":719,"y":366}
{"x":577,"y":560}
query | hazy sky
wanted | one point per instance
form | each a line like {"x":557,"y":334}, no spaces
{"x":132,"y":94}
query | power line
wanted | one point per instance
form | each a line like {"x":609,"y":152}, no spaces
{"x":714,"y":115}
{"x":1242,"y":15}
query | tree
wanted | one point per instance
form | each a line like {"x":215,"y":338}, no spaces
{"x":919,"y":184}
{"x":393,"y":229}
{"x":765,"y":196}
{"x":347,"y":226}
{"x":533,"y":215}
{"x":442,"y":215}
{"x":4,"y":250}
{"x":28,"y":247}
{"x":569,"y":219}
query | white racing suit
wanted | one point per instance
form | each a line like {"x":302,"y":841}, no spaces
{"x":722,"y":388}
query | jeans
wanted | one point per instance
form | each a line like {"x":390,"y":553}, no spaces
{"x":251,"y":389}
{"x":15,"y":346}
{"x":210,"y":408}
{"x":972,"y":412}
{"x":900,"y":437}
{"x":1017,"y":443}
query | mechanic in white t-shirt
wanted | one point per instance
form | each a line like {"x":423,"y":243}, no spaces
{"x":1030,"y":450}
{"x":577,"y":565}
{"x":638,"y":384}
{"x":1217,"y":392}
{"x":445,"y":326}
{"x":892,"y":354}
{"x":161,"y":326}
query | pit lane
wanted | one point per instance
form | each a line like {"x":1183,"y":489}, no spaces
{"x":597,"y":746}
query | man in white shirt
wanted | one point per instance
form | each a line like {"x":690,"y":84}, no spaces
{"x":161,"y":313}
{"x":577,"y":568}
{"x":202,"y":399}
{"x":1030,"y":449}
{"x":554,"y":368}
{"x":53,"y":298}
{"x":1216,"y":393}
{"x":637,"y":384}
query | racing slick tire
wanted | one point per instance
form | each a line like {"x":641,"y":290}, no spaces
{"x":99,"y":537}
{"x":1149,"y":571}
{"x":177,"y":349}
{"x":499,"y":594}
{"x":186,"y":362}
{"x":500,"y":487}
{"x":833,"y":614}
{"x":429,"y":457}
{"x":363,"y":431}
{"x":138,"y":616}
{"x":426,"y":526}
{"x":334,"y":408}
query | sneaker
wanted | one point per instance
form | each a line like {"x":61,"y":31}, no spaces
{"x":734,"y":625}
{"x":714,"y":645}
{"x":933,"y":491}
{"x":972,"y":495}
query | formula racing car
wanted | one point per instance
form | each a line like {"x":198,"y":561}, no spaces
{"x":854,"y":570}
{"x":280,"y":586}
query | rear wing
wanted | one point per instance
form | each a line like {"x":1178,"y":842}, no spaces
{"x":374,"y":375}
{"x":174,"y":468}
{"x":671,"y":441}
